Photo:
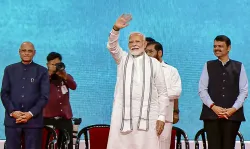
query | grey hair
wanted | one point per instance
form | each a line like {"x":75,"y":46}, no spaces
{"x":138,"y":33}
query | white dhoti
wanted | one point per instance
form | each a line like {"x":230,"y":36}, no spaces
{"x":137,"y":139}
{"x":165,"y":138}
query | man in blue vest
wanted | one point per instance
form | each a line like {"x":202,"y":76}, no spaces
{"x":24,"y":93}
{"x":223,"y":88}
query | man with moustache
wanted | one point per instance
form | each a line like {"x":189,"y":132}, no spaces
{"x":223,"y":88}
{"x":141,"y":99}
{"x":173,"y":83}
{"x":24,"y":93}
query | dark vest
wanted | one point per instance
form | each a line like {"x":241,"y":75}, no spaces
{"x":223,"y":88}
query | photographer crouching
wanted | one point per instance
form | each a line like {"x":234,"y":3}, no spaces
{"x":57,"y":112}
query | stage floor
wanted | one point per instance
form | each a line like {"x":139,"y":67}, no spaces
{"x":82,"y":145}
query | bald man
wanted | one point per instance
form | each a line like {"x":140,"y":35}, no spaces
{"x":24,"y":93}
{"x":141,"y":99}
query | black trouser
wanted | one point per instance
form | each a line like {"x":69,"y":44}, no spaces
{"x":32,"y":137}
{"x":61,"y":124}
{"x":221,"y":133}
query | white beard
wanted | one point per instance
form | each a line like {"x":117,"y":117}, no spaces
{"x":136,"y":52}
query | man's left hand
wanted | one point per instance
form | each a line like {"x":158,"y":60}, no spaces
{"x":175,"y":118}
{"x":24,"y":118}
{"x":159,"y":127}
{"x":62,"y":74}
{"x":230,"y":111}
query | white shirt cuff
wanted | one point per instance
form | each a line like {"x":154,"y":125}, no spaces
{"x":161,"y":118}
{"x":209,"y":103}
{"x":236,"y":106}
{"x":173,"y":97}
{"x":114,"y":32}
{"x":31,"y":114}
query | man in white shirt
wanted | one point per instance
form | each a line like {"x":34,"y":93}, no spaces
{"x":173,"y":82}
{"x":141,"y":100}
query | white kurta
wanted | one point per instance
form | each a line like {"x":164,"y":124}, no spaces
{"x":136,"y":139}
{"x":173,"y":82}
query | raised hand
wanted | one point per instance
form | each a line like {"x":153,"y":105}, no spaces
{"x":62,"y":74}
{"x":122,"y":21}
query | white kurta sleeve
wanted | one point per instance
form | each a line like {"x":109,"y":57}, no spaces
{"x":162,"y":92}
{"x":113,"y":46}
{"x":175,"y":89}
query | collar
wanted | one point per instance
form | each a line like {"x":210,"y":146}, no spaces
{"x":164,"y":64}
{"x":224,"y":62}
{"x":26,"y":65}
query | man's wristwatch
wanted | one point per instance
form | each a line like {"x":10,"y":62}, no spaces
{"x":177,"y":111}
{"x":115,"y":28}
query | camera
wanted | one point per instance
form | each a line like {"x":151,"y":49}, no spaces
{"x":60,"y":66}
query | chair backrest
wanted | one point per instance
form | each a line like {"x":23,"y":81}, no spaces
{"x":242,"y":141}
{"x":66,"y":138}
{"x":180,"y":133}
{"x":202,"y":133}
{"x":49,"y":139}
{"x":95,"y":136}
{"x":173,"y":135}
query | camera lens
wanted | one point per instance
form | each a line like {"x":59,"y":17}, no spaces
{"x":60,"y":66}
